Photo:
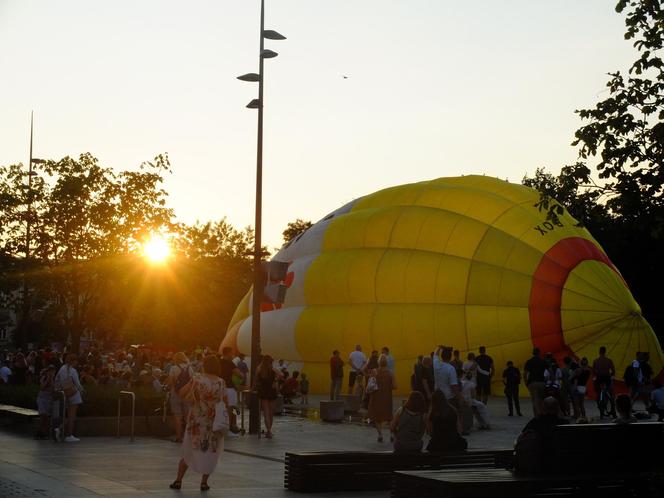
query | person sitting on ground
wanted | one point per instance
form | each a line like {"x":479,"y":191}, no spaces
{"x":290,"y":388}
{"x":477,"y":408}
{"x":442,"y":425}
{"x":408,"y":424}
{"x":624,"y":409}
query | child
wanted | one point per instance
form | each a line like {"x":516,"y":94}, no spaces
{"x":304,"y":389}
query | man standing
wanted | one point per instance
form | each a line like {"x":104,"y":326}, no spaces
{"x":243,"y":368}
{"x":336,"y":374}
{"x":534,"y":373}
{"x":228,"y":369}
{"x":457,"y":363}
{"x":603,"y":372}
{"x":356,"y":360}
{"x":511,"y":380}
{"x":445,"y":377}
{"x":390,"y":359}
{"x":484,"y":374}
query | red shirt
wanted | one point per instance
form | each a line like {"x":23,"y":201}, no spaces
{"x":336,"y":367}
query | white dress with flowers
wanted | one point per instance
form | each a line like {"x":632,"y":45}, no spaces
{"x":201,"y":447}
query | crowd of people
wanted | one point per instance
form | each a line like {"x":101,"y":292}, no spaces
{"x":446,"y":392}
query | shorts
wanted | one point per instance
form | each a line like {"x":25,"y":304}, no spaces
{"x":483,"y":384}
{"x":352,"y":376}
{"x":602,"y":379}
{"x":231,"y":396}
{"x":178,"y":405}
{"x":44,"y":403}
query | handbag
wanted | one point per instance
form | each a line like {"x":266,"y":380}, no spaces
{"x":221,"y":421}
{"x":372,"y":385}
{"x":68,"y":386}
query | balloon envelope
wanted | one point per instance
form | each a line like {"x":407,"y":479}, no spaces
{"x":464,"y":262}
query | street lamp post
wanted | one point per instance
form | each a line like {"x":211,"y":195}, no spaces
{"x":254,"y":416}
{"x":28,"y":215}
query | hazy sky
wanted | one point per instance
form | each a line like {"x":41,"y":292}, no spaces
{"x":434,"y":88}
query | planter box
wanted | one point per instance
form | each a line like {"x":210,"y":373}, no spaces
{"x":102,"y":426}
{"x":352,"y":403}
{"x":108,"y":426}
{"x":332,"y":411}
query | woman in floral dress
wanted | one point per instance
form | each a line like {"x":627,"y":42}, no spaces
{"x":202,"y":447}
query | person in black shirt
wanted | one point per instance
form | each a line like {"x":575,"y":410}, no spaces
{"x":534,"y":375}
{"x":512,"y":379}
{"x":543,"y":425}
{"x":228,"y":368}
{"x":484,"y":374}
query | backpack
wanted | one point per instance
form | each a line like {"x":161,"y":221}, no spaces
{"x":630,"y":376}
{"x":528,"y":453}
{"x":183,"y":378}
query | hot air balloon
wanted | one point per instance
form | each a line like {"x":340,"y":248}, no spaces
{"x":465,"y":262}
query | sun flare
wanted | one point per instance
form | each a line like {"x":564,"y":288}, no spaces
{"x":157,"y":249}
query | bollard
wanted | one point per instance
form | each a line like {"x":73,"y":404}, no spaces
{"x":59,"y":431}
{"x":133,"y":410}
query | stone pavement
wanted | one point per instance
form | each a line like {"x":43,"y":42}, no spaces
{"x":249,"y":467}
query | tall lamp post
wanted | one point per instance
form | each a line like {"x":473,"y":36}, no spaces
{"x":263,"y":53}
{"x":28,"y":215}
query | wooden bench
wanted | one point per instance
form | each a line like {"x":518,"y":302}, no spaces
{"x":18,"y":412}
{"x":364,"y":470}
{"x":588,"y":460}
{"x":480,"y":483}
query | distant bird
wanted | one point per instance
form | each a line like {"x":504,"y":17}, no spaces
{"x":345,"y":77}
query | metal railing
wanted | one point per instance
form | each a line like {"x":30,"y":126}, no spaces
{"x":164,"y":406}
{"x":59,"y":431}
{"x":133,"y":411}
{"x":244,"y":400}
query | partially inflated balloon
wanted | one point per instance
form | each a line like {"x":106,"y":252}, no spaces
{"x":464,"y":262}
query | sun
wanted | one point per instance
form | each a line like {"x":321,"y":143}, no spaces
{"x":156,"y":249}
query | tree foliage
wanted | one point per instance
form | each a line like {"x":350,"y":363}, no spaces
{"x":622,"y":138}
{"x":295,"y":228}
{"x":81,"y":216}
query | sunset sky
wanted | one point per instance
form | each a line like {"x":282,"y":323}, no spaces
{"x":434,"y":88}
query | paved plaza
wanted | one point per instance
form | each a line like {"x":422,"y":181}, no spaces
{"x":249,"y":466}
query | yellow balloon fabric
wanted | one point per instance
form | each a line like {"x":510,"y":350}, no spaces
{"x":465,"y":262}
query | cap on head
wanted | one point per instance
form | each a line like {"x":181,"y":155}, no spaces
{"x":551,"y":405}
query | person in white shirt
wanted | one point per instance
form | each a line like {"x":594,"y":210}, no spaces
{"x":5,"y":372}
{"x":390,"y":359}
{"x":67,"y":380}
{"x":444,"y":375}
{"x":356,"y":360}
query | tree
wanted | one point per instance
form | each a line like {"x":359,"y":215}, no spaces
{"x":295,"y":228}
{"x":623,"y":135}
{"x":81,"y":216}
{"x":625,"y":131}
